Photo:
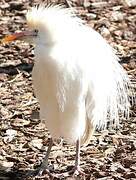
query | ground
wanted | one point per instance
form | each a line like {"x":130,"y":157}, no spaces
{"x":111,"y":155}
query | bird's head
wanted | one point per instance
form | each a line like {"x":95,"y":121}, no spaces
{"x":47,"y":25}
{"x":41,"y":26}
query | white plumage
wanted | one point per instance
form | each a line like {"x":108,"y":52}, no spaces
{"x":77,"y":78}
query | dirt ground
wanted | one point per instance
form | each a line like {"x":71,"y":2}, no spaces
{"x":111,"y":155}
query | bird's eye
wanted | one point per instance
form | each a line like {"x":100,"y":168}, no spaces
{"x":36,"y":31}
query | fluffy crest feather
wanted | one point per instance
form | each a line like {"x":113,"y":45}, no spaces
{"x":42,"y":13}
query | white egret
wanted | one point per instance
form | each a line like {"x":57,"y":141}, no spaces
{"x":77,"y":78}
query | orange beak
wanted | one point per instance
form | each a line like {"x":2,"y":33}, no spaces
{"x":18,"y":36}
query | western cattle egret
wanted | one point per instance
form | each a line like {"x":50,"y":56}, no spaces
{"x":77,"y":78}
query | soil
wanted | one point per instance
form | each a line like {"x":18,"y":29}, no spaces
{"x":110,"y":155}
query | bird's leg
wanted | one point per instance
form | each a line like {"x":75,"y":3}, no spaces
{"x":44,"y":164}
{"x":77,"y":170}
{"x":77,"y":160}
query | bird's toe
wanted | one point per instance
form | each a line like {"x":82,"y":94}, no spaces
{"x":40,"y":172}
{"x":77,"y":171}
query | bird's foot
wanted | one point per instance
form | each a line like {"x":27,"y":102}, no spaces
{"x":40,"y":172}
{"x":77,"y":171}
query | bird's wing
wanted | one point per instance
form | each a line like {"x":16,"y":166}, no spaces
{"x":108,"y":96}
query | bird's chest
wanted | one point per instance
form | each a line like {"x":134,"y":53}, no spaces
{"x":59,"y":91}
{"x":45,"y":81}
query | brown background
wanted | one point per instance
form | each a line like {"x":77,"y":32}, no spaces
{"x":111,"y":155}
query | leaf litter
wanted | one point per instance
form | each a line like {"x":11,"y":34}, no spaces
{"x":23,"y":138}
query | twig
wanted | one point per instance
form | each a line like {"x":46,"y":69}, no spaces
{"x":68,"y":3}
